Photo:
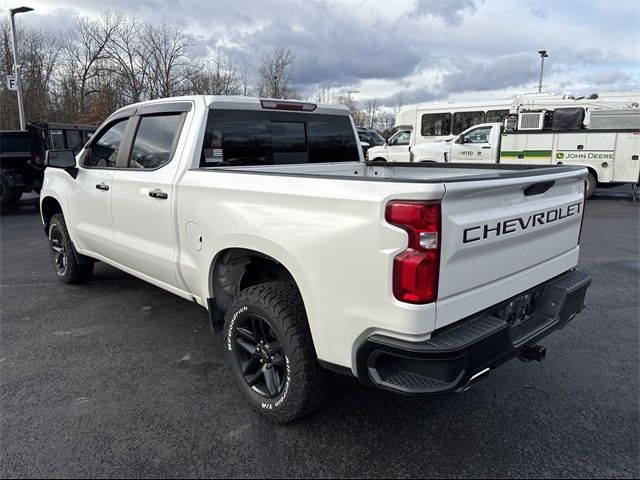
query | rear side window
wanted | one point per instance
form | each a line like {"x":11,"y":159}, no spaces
{"x":154,"y":141}
{"x":237,"y":137}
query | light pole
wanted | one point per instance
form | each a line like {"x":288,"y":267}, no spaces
{"x":543,"y":55}
{"x":349,"y":97}
{"x":16,"y":63}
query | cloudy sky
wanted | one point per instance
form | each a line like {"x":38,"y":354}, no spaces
{"x":427,"y":49}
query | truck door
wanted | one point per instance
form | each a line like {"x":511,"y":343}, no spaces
{"x":398,"y":148}
{"x":143,"y":195}
{"x":473,"y":146}
{"x":90,"y":194}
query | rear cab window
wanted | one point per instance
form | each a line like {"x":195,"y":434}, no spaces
{"x":254,"y":137}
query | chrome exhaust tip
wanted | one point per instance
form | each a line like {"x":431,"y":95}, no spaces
{"x":474,"y":379}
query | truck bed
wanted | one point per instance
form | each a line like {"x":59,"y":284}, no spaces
{"x":402,"y":172}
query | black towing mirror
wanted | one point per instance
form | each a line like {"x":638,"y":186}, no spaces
{"x":64,"y":159}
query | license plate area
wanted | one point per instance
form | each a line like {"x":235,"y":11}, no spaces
{"x":518,"y":310}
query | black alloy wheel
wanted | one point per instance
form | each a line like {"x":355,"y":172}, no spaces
{"x":260,"y":357}
{"x":57,"y":250}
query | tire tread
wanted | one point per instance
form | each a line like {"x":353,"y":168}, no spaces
{"x":310,"y":390}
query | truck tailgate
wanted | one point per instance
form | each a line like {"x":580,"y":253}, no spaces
{"x":501,"y":237}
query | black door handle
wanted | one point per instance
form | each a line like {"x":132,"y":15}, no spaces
{"x":102,"y":186}
{"x":486,"y":148}
{"x":158,"y":194}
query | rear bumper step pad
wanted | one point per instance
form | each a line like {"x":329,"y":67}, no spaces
{"x":455,"y":355}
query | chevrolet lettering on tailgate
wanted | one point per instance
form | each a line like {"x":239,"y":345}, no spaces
{"x":482,"y":232}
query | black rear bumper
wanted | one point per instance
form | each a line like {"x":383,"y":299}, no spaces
{"x":472,"y":347}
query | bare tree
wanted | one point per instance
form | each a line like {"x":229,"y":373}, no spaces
{"x":224,"y":75}
{"x":39,"y":57}
{"x":371,"y":107}
{"x":325,"y":94}
{"x":385,"y":123}
{"x":275,"y":76}
{"x":130,"y":58}
{"x":170,"y":60}
{"x":244,"y":75}
{"x":86,"y":54}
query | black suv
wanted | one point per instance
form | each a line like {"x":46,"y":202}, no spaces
{"x":369,"y":136}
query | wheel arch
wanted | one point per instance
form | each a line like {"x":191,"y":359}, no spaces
{"x":236,"y":268}
{"x":49,"y":206}
{"x":593,"y":172}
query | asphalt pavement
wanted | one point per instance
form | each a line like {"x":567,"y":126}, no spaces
{"x":118,"y":378}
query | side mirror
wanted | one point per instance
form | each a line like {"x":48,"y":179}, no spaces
{"x":365,"y":144}
{"x":460,"y":140}
{"x":60,"y":159}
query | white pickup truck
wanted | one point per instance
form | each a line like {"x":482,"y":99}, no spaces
{"x":416,"y":278}
{"x":609,"y":148}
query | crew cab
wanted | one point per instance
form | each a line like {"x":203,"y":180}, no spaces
{"x":415,"y":278}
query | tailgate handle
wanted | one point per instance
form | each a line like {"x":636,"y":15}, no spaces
{"x":538,"y":188}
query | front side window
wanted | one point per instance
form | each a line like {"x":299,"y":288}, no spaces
{"x":104,"y":151}
{"x":154,"y":140}
{"x":435,"y":124}
{"x":464,"y":120}
{"x":479,"y":135}
{"x":238,"y":137}
{"x":400,"y":139}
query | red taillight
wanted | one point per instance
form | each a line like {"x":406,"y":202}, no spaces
{"x":415,"y":271}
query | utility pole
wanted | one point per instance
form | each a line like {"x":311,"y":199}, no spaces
{"x":16,"y":63}
{"x":349,"y":97}
{"x":543,"y":55}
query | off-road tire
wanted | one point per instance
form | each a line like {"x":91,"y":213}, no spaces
{"x":305,"y":385}
{"x":8,"y":194}
{"x":71,"y":271}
